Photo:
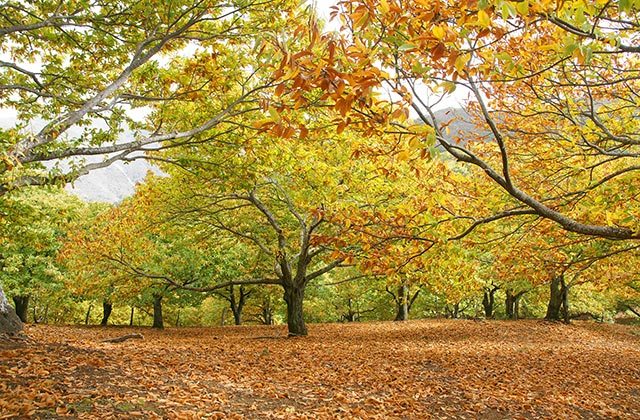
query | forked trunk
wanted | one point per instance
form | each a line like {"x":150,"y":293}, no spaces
{"x":22,"y":306}
{"x":488,"y":302}
{"x":157,"y":312}
{"x":294,"y":297}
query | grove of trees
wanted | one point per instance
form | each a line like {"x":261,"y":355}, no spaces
{"x":315,"y":175}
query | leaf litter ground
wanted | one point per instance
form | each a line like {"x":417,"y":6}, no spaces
{"x":418,"y":369}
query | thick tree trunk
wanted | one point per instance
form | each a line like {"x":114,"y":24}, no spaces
{"x":488,"y":302}
{"x":22,"y":306}
{"x":237,"y":316}
{"x":157,"y":312}
{"x":107,"y":307}
{"x":294,"y":297}
{"x":512,"y":304}
{"x":9,"y":321}
{"x":556,"y":289}
{"x":402,"y":304}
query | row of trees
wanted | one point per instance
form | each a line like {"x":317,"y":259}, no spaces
{"x":287,"y":166}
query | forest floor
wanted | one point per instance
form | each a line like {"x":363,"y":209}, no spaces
{"x":418,"y":369}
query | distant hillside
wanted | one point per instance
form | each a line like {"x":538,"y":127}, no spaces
{"x":116,"y":182}
{"x":113,"y":183}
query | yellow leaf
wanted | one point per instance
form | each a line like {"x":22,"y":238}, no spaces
{"x":484,"y":19}
{"x":384,"y":6}
{"x":438,"y":32}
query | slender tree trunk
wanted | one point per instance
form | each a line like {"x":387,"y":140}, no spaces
{"x":178,"y":319}
{"x":565,"y":302}
{"x":131,"y":316}
{"x":294,"y":297}
{"x":555,"y":298}
{"x":402,"y":304}
{"x":223,"y":317}
{"x":86,"y":318}
{"x":9,"y":321}
{"x":267,"y":312}
{"x":107,"y":307}
{"x":22,"y":306}
{"x":45,"y":317}
{"x":35,"y":314}
{"x":157,"y":311}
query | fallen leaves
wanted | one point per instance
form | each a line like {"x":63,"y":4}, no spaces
{"x":419,"y":369}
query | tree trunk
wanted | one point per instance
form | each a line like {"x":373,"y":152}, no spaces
{"x":509,"y":304}
{"x":107,"y":307}
{"x":22,"y":306}
{"x":402,"y":304}
{"x":556,"y":289}
{"x":131,"y":316}
{"x":565,"y":302}
{"x":9,"y":321}
{"x":86,"y":318}
{"x":488,"y":302}
{"x":223,"y":317}
{"x":456,"y":311}
{"x":294,"y":297}
{"x":157,"y":311}
{"x":267,"y":312}
{"x":237,"y":316}
{"x":237,"y":305}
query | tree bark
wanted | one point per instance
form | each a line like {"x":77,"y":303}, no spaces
{"x":266,"y":312}
{"x":565,"y":302}
{"x":22,"y":306}
{"x":86,"y":318}
{"x":107,"y":307}
{"x":556,"y":289}
{"x":131,"y":316}
{"x":402,"y":304}
{"x":157,"y":311}
{"x":488,"y":301}
{"x":223,"y":317}
{"x":237,"y":305}
{"x":294,"y":297}
{"x":9,"y":321}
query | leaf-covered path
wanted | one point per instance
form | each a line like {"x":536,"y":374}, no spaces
{"x":418,"y":369}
